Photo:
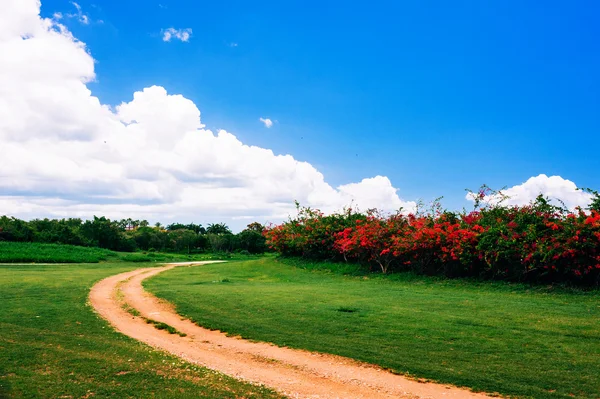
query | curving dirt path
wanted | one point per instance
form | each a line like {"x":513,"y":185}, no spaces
{"x":294,"y":373}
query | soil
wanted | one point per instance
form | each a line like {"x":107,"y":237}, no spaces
{"x":294,"y":373}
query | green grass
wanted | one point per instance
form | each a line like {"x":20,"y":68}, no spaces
{"x":28,"y":252}
{"x":159,"y":325}
{"x":14,"y":252}
{"x":52,"y":345}
{"x":507,"y":338}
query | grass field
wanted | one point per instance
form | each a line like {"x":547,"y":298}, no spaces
{"x":52,"y":345}
{"x":13,"y":252}
{"x":27,"y":252}
{"x":506,"y":338}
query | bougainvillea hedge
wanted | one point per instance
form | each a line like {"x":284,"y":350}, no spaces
{"x":539,"y":242}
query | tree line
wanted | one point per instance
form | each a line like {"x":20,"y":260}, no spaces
{"x":129,"y":235}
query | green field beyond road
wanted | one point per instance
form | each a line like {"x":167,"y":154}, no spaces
{"x":32,"y":252}
{"x":52,"y":345}
{"x":506,"y":338}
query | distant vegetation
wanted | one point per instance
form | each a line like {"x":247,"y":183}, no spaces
{"x":128,"y":235}
{"x":34,"y":252}
{"x":540,"y":242}
{"x":14,"y":252}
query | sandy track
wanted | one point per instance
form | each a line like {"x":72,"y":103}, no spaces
{"x":294,"y":373}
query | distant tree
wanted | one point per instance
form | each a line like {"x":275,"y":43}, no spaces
{"x":122,"y":224}
{"x":63,"y":231}
{"x":148,"y":237}
{"x":221,"y":242}
{"x":103,"y":233}
{"x":251,"y":239}
{"x":218,"y":228}
{"x":183,"y":240}
{"x":196,"y":228}
{"x":175,"y":226}
{"x":255,"y":226}
{"x":13,"y":229}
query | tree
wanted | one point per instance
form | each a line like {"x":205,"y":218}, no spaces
{"x":148,"y":237}
{"x":218,"y":228}
{"x":252,"y":240}
{"x":13,"y":229}
{"x":103,"y":233}
{"x":183,"y":240}
{"x":221,"y":242}
{"x":196,"y":228}
{"x":255,"y":226}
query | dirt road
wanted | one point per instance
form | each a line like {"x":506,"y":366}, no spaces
{"x":294,"y":373}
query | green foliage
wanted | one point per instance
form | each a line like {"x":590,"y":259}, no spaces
{"x":159,"y":325}
{"x":595,"y":203}
{"x":539,"y":242}
{"x":136,"y":258}
{"x":196,"y":228}
{"x":128,"y":235}
{"x":13,"y":229}
{"x":218,"y":229}
{"x":521,"y":341}
{"x":102,"y":232}
{"x":27,"y":252}
{"x":311,"y":234}
{"x":252,"y":240}
{"x":148,"y":237}
{"x":183,"y":240}
{"x":14,"y":252}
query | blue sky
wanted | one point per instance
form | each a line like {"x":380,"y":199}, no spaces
{"x":437,"y":96}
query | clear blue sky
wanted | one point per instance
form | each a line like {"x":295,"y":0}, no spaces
{"x":438,"y":96}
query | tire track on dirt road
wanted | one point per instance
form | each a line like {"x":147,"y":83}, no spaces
{"x":294,"y":373}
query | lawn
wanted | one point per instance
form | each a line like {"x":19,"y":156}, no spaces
{"x":29,"y":252}
{"x":507,"y":338}
{"x":13,"y":252}
{"x":52,"y":345}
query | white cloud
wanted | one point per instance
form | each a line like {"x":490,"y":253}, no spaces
{"x":267,"y":122}
{"x":64,"y":153}
{"x":554,"y":187}
{"x":180,"y":34}
{"x":79,"y":15}
{"x":373,"y":192}
{"x":233,"y":44}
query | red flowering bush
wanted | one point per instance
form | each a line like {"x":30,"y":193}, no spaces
{"x":312,"y":234}
{"x":371,"y":240}
{"x":539,"y":242}
{"x":443,"y":244}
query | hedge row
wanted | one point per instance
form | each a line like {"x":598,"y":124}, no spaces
{"x":539,"y":242}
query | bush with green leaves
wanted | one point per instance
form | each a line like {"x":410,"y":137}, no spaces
{"x":538,"y":242}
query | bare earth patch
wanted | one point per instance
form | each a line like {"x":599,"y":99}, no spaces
{"x":294,"y":373}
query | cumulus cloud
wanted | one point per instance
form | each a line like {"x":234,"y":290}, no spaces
{"x":554,"y":187}
{"x":64,"y":154}
{"x":179,"y":34}
{"x":267,"y":122}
